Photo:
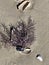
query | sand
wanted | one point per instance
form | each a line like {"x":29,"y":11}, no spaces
{"x":40,"y":14}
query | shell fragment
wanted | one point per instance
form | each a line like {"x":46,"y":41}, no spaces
{"x":39,"y":57}
{"x":24,"y":4}
{"x":27,"y":51}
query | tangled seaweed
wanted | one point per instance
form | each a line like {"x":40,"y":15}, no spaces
{"x":22,"y":34}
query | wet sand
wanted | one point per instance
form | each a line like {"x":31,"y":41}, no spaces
{"x":40,"y":14}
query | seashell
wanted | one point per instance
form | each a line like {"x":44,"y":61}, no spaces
{"x":39,"y":57}
{"x":24,"y":4}
{"x":27,"y":51}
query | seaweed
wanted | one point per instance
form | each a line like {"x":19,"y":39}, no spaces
{"x":20,"y":35}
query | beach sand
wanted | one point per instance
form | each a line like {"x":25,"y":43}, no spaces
{"x":40,"y":14}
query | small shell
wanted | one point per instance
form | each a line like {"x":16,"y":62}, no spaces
{"x":24,"y":4}
{"x":27,"y":51}
{"x":39,"y":57}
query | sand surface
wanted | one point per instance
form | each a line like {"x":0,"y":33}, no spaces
{"x":40,"y":13}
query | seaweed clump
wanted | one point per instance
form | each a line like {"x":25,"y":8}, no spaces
{"x":21,"y":35}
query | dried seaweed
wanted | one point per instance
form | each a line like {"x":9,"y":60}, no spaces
{"x":22,"y":34}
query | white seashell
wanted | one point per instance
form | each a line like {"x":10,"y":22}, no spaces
{"x":24,"y":4}
{"x":21,"y":6}
{"x":39,"y":57}
{"x":26,"y":51}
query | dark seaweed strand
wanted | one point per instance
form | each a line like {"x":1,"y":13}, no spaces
{"x":11,"y":28}
{"x":4,"y":38}
{"x":5,"y":28}
{"x":19,"y":4}
{"x":25,"y":5}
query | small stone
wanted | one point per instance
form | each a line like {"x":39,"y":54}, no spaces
{"x":19,"y":48}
